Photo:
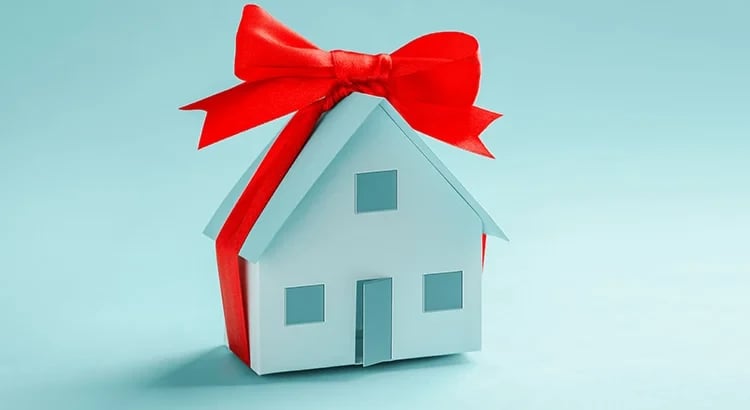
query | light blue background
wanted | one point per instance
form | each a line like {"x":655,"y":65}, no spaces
{"x":622,"y":177}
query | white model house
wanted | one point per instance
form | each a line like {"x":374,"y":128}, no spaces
{"x":369,"y":250}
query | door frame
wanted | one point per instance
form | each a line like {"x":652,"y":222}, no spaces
{"x":360,"y":330}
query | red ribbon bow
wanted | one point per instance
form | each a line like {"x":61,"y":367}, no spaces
{"x":431,"y":81}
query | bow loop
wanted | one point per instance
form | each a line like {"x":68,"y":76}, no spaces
{"x":265,"y":48}
{"x":446,"y":63}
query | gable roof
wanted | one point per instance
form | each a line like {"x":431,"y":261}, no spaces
{"x":332,"y":133}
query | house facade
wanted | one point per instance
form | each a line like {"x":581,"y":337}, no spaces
{"x":369,"y":251}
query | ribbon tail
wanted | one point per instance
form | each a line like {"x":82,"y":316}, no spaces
{"x":459,"y":126}
{"x":248,"y":105}
{"x":271,"y":171}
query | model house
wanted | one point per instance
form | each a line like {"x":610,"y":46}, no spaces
{"x":369,"y":250}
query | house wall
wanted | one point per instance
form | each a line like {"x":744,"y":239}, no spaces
{"x":324,"y":241}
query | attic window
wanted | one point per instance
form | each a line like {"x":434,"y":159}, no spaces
{"x":377,"y":191}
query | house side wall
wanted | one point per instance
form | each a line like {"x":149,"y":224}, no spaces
{"x":324,"y":241}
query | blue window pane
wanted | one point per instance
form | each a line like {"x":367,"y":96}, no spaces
{"x":377,"y":191}
{"x":443,"y":291}
{"x":305,"y":304}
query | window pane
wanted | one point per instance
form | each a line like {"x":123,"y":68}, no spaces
{"x":377,"y":191}
{"x":443,"y":291}
{"x":304,"y":304}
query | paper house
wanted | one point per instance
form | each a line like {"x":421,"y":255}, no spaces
{"x":369,"y":250}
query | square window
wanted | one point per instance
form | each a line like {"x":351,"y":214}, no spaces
{"x":443,"y":291}
{"x":377,"y":191}
{"x":305,"y":304}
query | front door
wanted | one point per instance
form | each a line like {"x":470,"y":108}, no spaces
{"x":374,"y":320}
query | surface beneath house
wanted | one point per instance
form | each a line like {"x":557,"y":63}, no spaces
{"x":586,"y":342}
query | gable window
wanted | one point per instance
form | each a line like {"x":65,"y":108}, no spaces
{"x":377,"y":191}
{"x":305,"y":304}
{"x":443,"y":291}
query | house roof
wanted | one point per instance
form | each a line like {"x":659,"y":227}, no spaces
{"x":332,"y":133}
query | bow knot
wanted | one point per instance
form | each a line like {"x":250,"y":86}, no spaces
{"x":354,"y":68}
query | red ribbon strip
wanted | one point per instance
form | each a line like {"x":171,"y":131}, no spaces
{"x":431,"y":81}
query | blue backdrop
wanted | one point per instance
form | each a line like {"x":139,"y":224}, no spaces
{"x":622,"y":178}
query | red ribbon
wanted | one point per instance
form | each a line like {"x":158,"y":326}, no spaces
{"x":431,"y":81}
